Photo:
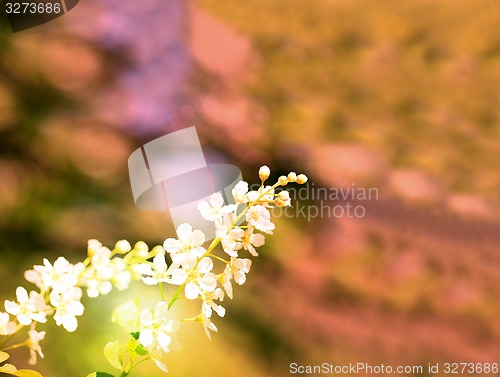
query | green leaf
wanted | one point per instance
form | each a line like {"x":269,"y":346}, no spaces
{"x":135,"y":335}
{"x":127,"y":315}
{"x":112,"y":352}
{"x":3,"y":356}
{"x":140,"y":350}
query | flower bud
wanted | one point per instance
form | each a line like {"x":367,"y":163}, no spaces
{"x":292,"y":176}
{"x":122,"y":247}
{"x":301,"y":179}
{"x":283,"y":199}
{"x":283,"y":180}
{"x":141,"y":249}
{"x":264,"y":173}
{"x":158,"y":250}
{"x":93,"y":247}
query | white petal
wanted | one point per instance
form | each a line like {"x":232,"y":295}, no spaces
{"x":161,"y":311}
{"x":172,"y":326}
{"x":184,"y":232}
{"x":11,"y":307}
{"x":228,"y":209}
{"x":171,"y":245}
{"x":216,"y":200}
{"x":75,"y":308}
{"x":143,"y":269}
{"x":208,"y":282}
{"x":258,"y":239}
{"x":160,"y":365}
{"x":22,"y":295}
{"x":205,"y":265}
{"x":240,"y":277}
{"x":252,"y":251}
{"x":160,"y":263}
{"x":179,"y":276}
{"x":105,"y":287}
{"x":70,"y":323}
{"x":146,"y":337}
{"x":206,"y":309}
{"x":243,"y":264}
{"x":146,"y":318}
{"x":191,"y":291}
{"x":39,"y":317}
{"x":198,"y":251}
{"x":220,"y":310}
{"x":163,"y":340}
{"x":198,"y":237}
{"x":150,"y":281}
{"x":24,"y":319}
{"x":205,"y":210}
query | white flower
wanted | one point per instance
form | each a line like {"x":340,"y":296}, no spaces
{"x":240,"y":192}
{"x":215,"y":209}
{"x":240,"y":267}
{"x":159,"y":273}
{"x":225,"y":279}
{"x":34,"y":338}
{"x":207,"y":324}
{"x":251,"y":239}
{"x":283,"y":199}
{"x":29,"y":308}
{"x":237,"y":269}
{"x":121,"y":276}
{"x":188,"y":247}
{"x":7,"y":326}
{"x":95,"y":287}
{"x":259,"y":217}
{"x":68,"y":307}
{"x":157,"y":332}
{"x":157,"y":328}
{"x":200,"y":279}
{"x":59,"y":277}
{"x":229,"y":238}
{"x":98,"y":275}
{"x":209,"y":305}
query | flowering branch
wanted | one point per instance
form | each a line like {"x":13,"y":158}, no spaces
{"x":239,"y":227}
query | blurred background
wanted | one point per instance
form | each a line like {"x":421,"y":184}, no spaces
{"x":399,"y":96}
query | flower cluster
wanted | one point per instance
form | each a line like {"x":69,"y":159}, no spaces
{"x":198,"y":271}
{"x":60,"y":292}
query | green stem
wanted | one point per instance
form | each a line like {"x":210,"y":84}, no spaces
{"x":19,"y":345}
{"x":219,"y":258}
{"x":193,"y":319}
{"x":176,"y":295}
{"x":161,"y":291}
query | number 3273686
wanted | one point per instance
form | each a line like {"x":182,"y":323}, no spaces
{"x":33,"y":8}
